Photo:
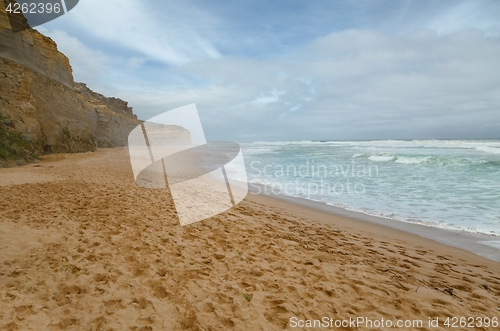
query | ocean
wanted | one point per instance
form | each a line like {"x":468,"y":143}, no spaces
{"x":451,"y":184}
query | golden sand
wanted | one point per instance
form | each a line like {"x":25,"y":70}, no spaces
{"x":84,"y":248}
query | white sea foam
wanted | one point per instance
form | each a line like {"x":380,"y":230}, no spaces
{"x":485,"y":146}
{"x":438,"y":183}
{"x":488,"y":149}
{"x":412,"y":160}
{"x":251,"y":151}
{"x":381,"y":158}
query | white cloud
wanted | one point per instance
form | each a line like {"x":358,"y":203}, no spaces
{"x":165,"y":35}
{"x":135,"y":62}
{"x":352,"y":84}
{"x":87,"y":63}
{"x":348,"y":85}
{"x":481,"y":15}
{"x":270,"y":96}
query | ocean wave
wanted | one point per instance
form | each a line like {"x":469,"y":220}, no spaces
{"x":459,"y":173}
{"x":488,"y":146}
{"x":488,"y":149}
{"x":447,"y":226}
{"x":412,"y":160}
{"x":291,"y":142}
{"x":431,"y":160}
{"x":394,"y":217}
{"x":492,"y":147}
{"x":265,"y":143}
{"x":453,"y":162}
{"x":381,"y":158}
{"x":255,"y":151}
{"x":485,"y":165}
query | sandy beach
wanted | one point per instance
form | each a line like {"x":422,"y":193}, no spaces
{"x":85,"y":248}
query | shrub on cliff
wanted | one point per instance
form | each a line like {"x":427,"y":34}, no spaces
{"x":14,"y":147}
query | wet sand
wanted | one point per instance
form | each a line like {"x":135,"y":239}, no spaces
{"x":84,"y":248}
{"x":484,"y":245}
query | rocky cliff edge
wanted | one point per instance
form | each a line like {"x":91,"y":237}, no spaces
{"x":42,"y":110}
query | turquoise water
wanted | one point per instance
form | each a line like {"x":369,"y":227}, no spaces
{"x":451,"y":184}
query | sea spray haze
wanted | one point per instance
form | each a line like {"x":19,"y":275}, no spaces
{"x":451,"y":184}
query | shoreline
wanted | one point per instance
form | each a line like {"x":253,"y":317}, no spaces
{"x":479,"y":244}
{"x":482,"y":245}
{"x":84,"y":247}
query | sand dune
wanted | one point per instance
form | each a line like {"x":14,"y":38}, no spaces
{"x":84,"y":248}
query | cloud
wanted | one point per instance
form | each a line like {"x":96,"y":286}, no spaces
{"x":87,"y":63}
{"x":135,"y":62}
{"x":480,"y":14}
{"x":433,"y":72}
{"x":348,"y":85}
{"x":163,"y":34}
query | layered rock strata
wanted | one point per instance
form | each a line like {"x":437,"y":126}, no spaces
{"x":42,"y":110}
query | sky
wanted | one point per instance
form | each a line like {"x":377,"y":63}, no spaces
{"x":296,"y":70}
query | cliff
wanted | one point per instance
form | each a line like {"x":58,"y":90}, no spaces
{"x":110,"y":119}
{"x":167,"y":134}
{"x":42,"y":110}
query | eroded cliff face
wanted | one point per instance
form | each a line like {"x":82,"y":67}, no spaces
{"x":42,"y":110}
{"x":111,"y":119}
{"x":49,"y":115}
{"x":33,"y":50}
{"x":37,"y":101}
